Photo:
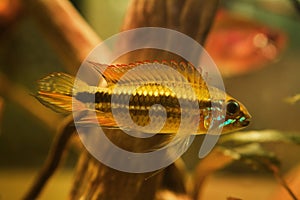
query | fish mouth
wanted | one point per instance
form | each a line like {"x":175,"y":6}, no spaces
{"x":244,"y":120}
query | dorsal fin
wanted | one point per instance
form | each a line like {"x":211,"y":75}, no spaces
{"x":150,"y":71}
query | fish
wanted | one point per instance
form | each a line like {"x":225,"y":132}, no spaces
{"x":241,"y":45}
{"x":149,"y":84}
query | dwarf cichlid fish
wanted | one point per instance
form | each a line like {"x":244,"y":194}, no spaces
{"x":143,"y":89}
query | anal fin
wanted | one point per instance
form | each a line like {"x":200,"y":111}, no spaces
{"x":102,"y":119}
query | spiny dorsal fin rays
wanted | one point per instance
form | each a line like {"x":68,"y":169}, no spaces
{"x":150,"y":72}
{"x":111,"y":73}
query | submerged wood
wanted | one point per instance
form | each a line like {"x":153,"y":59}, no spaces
{"x":56,"y":154}
{"x":67,"y":32}
{"x":21,"y":96}
{"x":97,"y":181}
{"x":73,"y":39}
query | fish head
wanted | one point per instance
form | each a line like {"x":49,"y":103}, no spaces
{"x":237,"y":116}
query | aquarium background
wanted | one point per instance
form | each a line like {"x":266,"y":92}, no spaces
{"x":25,"y":56}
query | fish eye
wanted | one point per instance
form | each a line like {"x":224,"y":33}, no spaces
{"x":232,"y":107}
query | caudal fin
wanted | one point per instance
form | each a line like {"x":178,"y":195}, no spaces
{"x":55,"y":91}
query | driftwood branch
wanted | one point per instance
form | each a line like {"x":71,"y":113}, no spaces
{"x":73,"y":39}
{"x":102,"y":182}
{"x":291,"y":182}
{"x":214,"y":161}
{"x":56,"y":153}
{"x":21,"y":96}
{"x":69,"y":34}
{"x":191,"y":17}
{"x":97,"y":181}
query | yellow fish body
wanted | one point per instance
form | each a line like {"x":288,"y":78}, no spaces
{"x":140,"y":92}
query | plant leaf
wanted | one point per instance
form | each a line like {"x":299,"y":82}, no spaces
{"x":262,"y":136}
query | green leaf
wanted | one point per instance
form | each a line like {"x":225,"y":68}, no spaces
{"x":262,"y":136}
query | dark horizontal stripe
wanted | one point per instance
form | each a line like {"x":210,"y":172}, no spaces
{"x":139,"y":100}
{"x":85,"y":97}
{"x":98,"y":97}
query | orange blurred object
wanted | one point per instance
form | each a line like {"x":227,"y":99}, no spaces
{"x":9,"y":10}
{"x":293,"y":180}
{"x":239,"y":45}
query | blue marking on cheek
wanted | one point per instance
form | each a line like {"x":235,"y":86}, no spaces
{"x":227,"y":122}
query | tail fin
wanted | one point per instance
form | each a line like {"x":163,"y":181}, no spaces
{"x":55,"y":91}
